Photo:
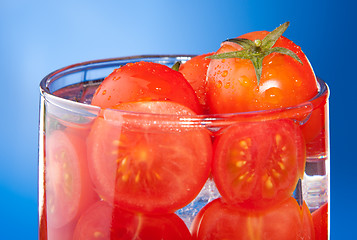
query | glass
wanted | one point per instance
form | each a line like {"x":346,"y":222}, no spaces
{"x":89,"y":189}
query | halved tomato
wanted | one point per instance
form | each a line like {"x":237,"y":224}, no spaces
{"x":257,"y":164}
{"x":62,"y":233}
{"x":68,"y":186}
{"x":218,"y":220}
{"x":103,"y":221}
{"x":148,"y":162}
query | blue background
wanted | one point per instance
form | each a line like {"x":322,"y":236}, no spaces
{"x":37,"y":37}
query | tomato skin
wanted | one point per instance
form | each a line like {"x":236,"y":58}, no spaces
{"x":218,"y":220}
{"x":257,"y":164}
{"x":195,"y":71}
{"x":233,"y":87}
{"x":307,"y":221}
{"x":102,"y":221}
{"x":68,"y":186}
{"x":145,"y":81}
{"x":316,"y":127}
{"x":148,"y":166}
{"x":320,"y":219}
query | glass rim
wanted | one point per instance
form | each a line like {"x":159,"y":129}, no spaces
{"x":305,"y":107}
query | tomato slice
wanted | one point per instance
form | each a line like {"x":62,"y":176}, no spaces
{"x":102,"y":221}
{"x":147,"y":163}
{"x":218,"y":220}
{"x":195,"y":71}
{"x":320,"y":219}
{"x":62,"y":233}
{"x":145,"y":81}
{"x":68,"y":186}
{"x":257,"y":164}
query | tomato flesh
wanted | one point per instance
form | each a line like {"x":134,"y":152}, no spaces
{"x":257,"y":164}
{"x":145,"y":81}
{"x":68,"y":189}
{"x":218,"y":220}
{"x":148,"y":167}
{"x":103,"y":221}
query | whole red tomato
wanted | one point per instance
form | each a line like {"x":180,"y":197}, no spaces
{"x":320,"y":219}
{"x":195,"y":71}
{"x":145,"y":81}
{"x":279,"y":77}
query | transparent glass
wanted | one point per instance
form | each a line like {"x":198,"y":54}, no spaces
{"x":111,"y":174}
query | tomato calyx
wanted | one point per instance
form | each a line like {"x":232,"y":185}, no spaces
{"x":258,"y":49}
{"x":176,"y":66}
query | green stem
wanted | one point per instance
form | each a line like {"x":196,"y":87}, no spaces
{"x":258,"y":49}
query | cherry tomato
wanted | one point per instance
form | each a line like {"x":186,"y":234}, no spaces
{"x":218,"y":220}
{"x":102,"y":221}
{"x":258,"y":164}
{"x":145,"y":81}
{"x":146,"y":163}
{"x":307,"y":221}
{"x":68,"y":186}
{"x":47,"y":232}
{"x":233,"y":86}
{"x":195,"y":71}
{"x":62,"y":233}
{"x":320,"y":219}
{"x":314,"y":129}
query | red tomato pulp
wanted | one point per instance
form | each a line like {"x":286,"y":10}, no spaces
{"x":68,"y":186}
{"x":258,"y":164}
{"x":148,"y":167}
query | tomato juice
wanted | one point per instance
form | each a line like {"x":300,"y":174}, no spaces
{"x":170,"y":173}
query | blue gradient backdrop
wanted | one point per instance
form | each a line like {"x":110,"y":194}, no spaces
{"x":37,"y":37}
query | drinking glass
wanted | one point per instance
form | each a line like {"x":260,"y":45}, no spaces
{"x":113,"y":174}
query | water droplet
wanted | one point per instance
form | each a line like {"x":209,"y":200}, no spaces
{"x":244,"y":81}
{"x":298,"y":82}
{"x":273,"y":95}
